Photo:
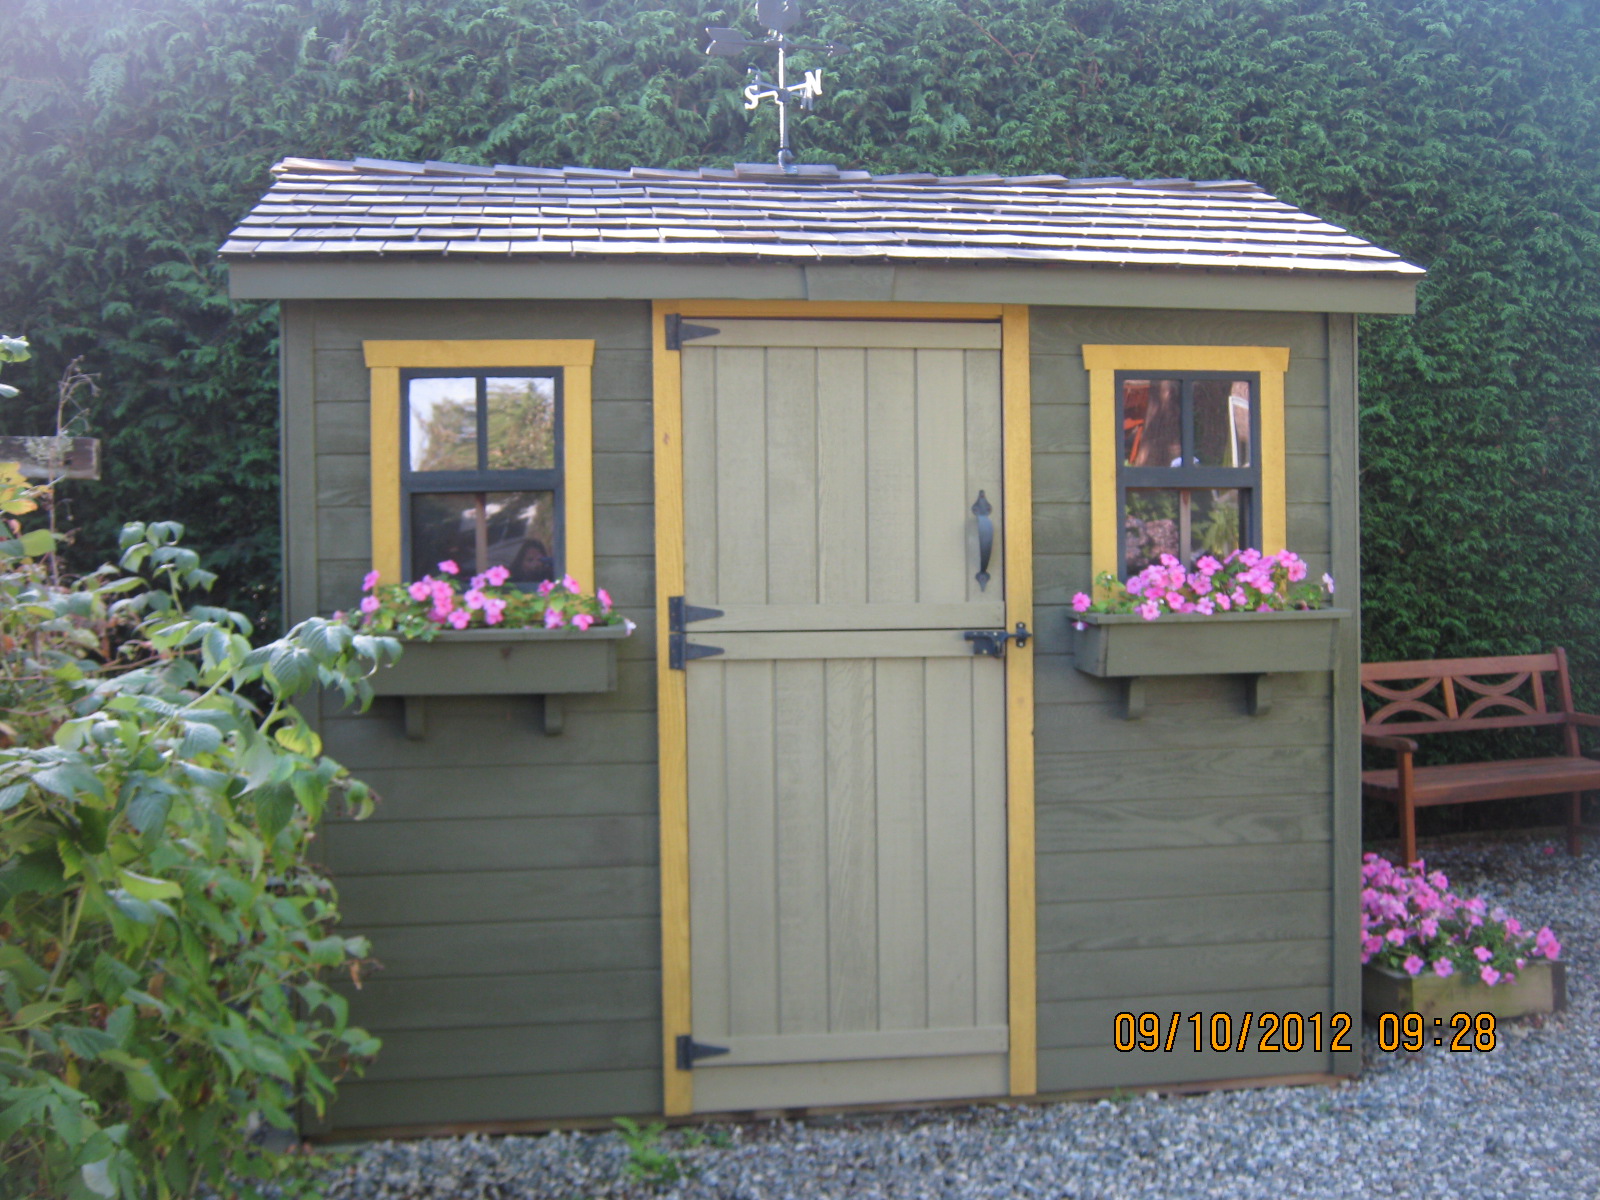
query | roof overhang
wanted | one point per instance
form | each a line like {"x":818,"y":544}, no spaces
{"x":356,"y":278}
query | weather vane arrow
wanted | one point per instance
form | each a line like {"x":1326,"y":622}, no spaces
{"x":778,"y":16}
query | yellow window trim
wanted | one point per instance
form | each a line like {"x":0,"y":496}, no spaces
{"x":672,"y":690}
{"x":1103,"y":363}
{"x":386,"y":360}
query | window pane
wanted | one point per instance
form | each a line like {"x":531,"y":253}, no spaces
{"x":522,"y":423}
{"x":1151,"y":527}
{"x":443,"y":415}
{"x":1222,"y":422}
{"x":484,"y":529}
{"x":1152,"y":422}
{"x":1214,"y":520}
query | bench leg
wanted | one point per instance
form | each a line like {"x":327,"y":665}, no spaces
{"x":1408,"y":832}
{"x":1575,"y":824}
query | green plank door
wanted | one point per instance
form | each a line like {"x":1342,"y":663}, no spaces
{"x":846,"y":748}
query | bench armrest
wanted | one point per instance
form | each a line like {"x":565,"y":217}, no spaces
{"x":1588,"y":720}
{"x":1383,"y":741}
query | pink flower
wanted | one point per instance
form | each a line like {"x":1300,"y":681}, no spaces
{"x":459,"y":619}
{"x":605,"y":600}
{"x":1208,"y":565}
{"x":547,"y":587}
{"x":553,"y":618}
{"x":494,"y":610}
{"x":1444,"y":968}
{"x":1513,"y":927}
{"x":369,"y":604}
{"x":571,"y":584}
{"x":1396,"y":937}
{"x":1205,"y":606}
{"x":448,"y":567}
{"x":477,"y":581}
{"x":582,"y":621}
{"x":1080,"y":602}
{"x":1489,"y":975}
{"x":1327,"y":582}
{"x":421,"y":589}
{"x":1224,"y":603}
{"x":474,"y":598}
{"x":370,"y":582}
{"x":497,"y":575}
{"x":1483,"y":954}
{"x":1544,"y":942}
{"x":1412,"y":965}
{"x":1150,"y":610}
{"x":1429,"y":927}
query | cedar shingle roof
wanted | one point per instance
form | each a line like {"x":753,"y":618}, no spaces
{"x":368,"y":208}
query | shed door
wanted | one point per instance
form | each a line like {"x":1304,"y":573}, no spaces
{"x":846,"y":748}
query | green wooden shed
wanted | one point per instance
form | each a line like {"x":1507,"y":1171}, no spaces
{"x":800,"y":842}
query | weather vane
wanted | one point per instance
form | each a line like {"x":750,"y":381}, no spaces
{"x":778,"y":16}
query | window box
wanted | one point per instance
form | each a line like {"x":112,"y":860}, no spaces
{"x":1540,"y":987}
{"x":1256,"y":644}
{"x":502,"y":662}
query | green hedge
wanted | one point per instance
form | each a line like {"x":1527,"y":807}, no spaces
{"x":1461,"y":134}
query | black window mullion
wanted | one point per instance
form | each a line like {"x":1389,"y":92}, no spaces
{"x":483,"y":422}
{"x":1186,"y":423}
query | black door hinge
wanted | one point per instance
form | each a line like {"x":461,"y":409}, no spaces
{"x":680,"y":331}
{"x":691,"y":1051}
{"x":679,"y":649}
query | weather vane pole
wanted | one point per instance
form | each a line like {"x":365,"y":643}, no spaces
{"x":779,"y":17}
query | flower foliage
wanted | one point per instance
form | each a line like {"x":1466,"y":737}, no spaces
{"x":1244,"y":581}
{"x":165,"y":947}
{"x":419,"y":611}
{"x":1412,"y":922}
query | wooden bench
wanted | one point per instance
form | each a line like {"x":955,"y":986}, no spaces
{"x":1461,"y":695}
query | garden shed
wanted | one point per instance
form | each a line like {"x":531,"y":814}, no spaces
{"x":801,"y":841}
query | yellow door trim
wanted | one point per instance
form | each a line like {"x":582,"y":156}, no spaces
{"x":386,"y":359}
{"x":1022,"y":908}
{"x":1103,"y":363}
{"x":672,"y":693}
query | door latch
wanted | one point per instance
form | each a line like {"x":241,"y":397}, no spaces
{"x":691,"y":1051}
{"x":993,"y":641}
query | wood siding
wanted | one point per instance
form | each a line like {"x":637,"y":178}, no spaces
{"x":508,"y":880}
{"x":1186,"y":860}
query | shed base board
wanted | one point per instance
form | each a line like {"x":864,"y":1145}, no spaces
{"x":459,"y":1129}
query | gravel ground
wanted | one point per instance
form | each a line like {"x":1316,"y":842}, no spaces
{"x":1523,"y":1121}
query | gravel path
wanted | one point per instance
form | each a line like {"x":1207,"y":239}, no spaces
{"x":1521,"y":1122}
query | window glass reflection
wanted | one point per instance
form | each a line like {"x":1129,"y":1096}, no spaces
{"x":522,"y":422}
{"x":443,"y":419}
{"x":478,"y":530}
{"x":1152,"y":422}
{"x":1222,"y":422}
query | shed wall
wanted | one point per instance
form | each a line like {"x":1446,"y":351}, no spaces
{"x":1185,"y":860}
{"x":508,"y":879}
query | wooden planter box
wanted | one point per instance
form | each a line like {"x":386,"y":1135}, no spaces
{"x":500,"y":662}
{"x":1125,"y":646}
{"x":1540,"y":987}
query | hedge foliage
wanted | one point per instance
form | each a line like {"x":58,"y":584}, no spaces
{"x":1461,"y":133}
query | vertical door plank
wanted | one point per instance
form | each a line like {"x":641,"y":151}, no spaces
{"x":842,"y":476}
{"x":891,"y":477}
{"x":990,"y":949}
{"x":942,"y":499}
{"x":983,"y":466}
{"x":791,"y":476}
{"x":700,"y":474}
{"x":741,"y":537}
{"x":852,"y":916}
{"x":751,"y":848}
{"x":709,"y":974}
{"x":947,"y":705}
{"x":902,"y":862}
{"x":802,"y":855}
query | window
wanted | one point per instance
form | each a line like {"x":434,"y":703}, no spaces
{"x":482,"y":462}
{"x":1187,"y":476}
{"x":1186,"y":452}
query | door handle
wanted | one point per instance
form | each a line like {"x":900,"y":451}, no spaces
{"x":981,"y":510}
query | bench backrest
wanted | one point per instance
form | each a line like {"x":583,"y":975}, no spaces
{"x":1450,"y":695}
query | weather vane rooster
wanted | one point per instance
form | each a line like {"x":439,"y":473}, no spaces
{"x":778,"y":16}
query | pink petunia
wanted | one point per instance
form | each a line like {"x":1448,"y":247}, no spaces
{"x":553,"y":618}
{"x":497,"y":575}
{"x":1489,"y":975}
{"x":1080,"y":602}
{"x":547,"y":587}
{"x":1444,"y":968}
{"x":605,"y":600}
{"x":1150,"y":610}
{"x":459,"y":619}
{"x":449,"y":567}
{"x":370,"y":582}
{"x":370,"y":604}
{"x":474,"y":598}
{"x":1483,"y":954}
{"x":421,"y":589}
{"x":582,"y":621}
{"x":1413,"y":965}
{"x":571,"y":584}
{"x":494,"y":610}
{"x":1396,"y":937}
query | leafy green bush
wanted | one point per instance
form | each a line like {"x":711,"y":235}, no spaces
{"x":164,"y":945}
